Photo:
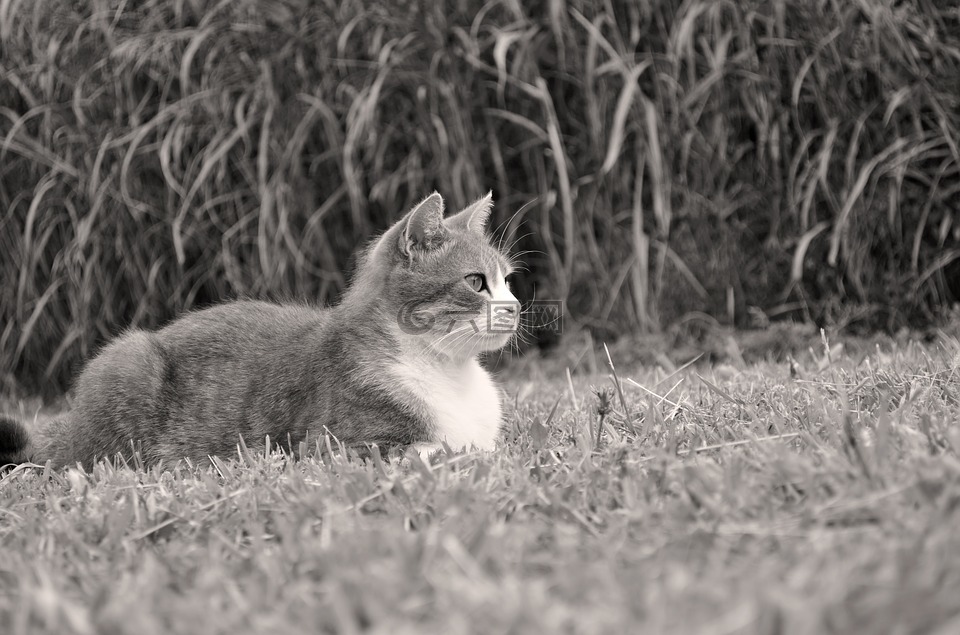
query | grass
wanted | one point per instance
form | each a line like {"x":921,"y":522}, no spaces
{"x":158,"y":155}
{"x":730,"y":162}
{"x":818,"y":495}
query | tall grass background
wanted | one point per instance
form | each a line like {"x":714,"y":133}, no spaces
{"x":782,"y":159}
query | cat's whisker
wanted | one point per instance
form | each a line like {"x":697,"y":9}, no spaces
{"x":522,"y":336}
{"x":520,"y":210}
{"x":518,"y":264}
{"x":527,"y":252}
{"x":514,"y":242}
{"x":457,"y":343}
{"x":454,"y":348}
{"x":509,"y":221}
{"x":454,"y":335}
{"x":515,"y":343}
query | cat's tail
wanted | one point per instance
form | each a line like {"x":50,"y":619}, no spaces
{"x":15,"y":446}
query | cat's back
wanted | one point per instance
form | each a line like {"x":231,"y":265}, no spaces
{"x":226,"y":344}
{"x":246,"y":323}
{"x":235,"y":341}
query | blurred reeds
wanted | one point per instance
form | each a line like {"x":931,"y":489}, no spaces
{"x":747,"y":158}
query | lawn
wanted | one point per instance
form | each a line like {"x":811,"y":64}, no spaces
{"x":815,"y":495}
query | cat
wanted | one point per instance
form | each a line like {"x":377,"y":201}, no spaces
{"x":395,"y":363}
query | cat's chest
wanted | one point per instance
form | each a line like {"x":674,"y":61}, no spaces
{"x":463,"y":403}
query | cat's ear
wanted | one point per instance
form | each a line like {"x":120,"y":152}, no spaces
{"x":474,"y":216}
{"x":423,"y":225}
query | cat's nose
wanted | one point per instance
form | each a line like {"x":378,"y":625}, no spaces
{"x":504,"y":315}
{"x":512,"y":309}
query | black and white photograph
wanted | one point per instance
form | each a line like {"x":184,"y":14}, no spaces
{"x":480,"y":316}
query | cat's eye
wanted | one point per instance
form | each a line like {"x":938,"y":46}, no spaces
{"x":477,"y":281}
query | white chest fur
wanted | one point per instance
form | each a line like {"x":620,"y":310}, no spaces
{"x":462,"y":401}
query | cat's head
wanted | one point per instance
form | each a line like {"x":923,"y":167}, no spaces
{"x":442,"y":281}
